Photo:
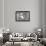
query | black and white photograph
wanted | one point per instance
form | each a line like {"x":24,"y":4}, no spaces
{"x":22,"y":22}
{"x":22,"y":15}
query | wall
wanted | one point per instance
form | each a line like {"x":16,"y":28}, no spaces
{"x":44,"y":18}
{"x":35,"y":8}
{"x":1,"y":14}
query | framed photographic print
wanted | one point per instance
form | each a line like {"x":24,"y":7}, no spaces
{"x":22,"y":15}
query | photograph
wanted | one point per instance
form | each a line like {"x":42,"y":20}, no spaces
{"x":22,"y":22}
{"x":22,"y":15}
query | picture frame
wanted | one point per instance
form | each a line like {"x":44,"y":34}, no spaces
{"x":22,"y":15}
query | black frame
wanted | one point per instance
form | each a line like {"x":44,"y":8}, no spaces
{"x":22,"y":12}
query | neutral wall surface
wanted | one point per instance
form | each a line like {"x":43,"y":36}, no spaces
{"x":44,"y":18}
{"x":1,"y":14}
{"x":34,"y":6}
